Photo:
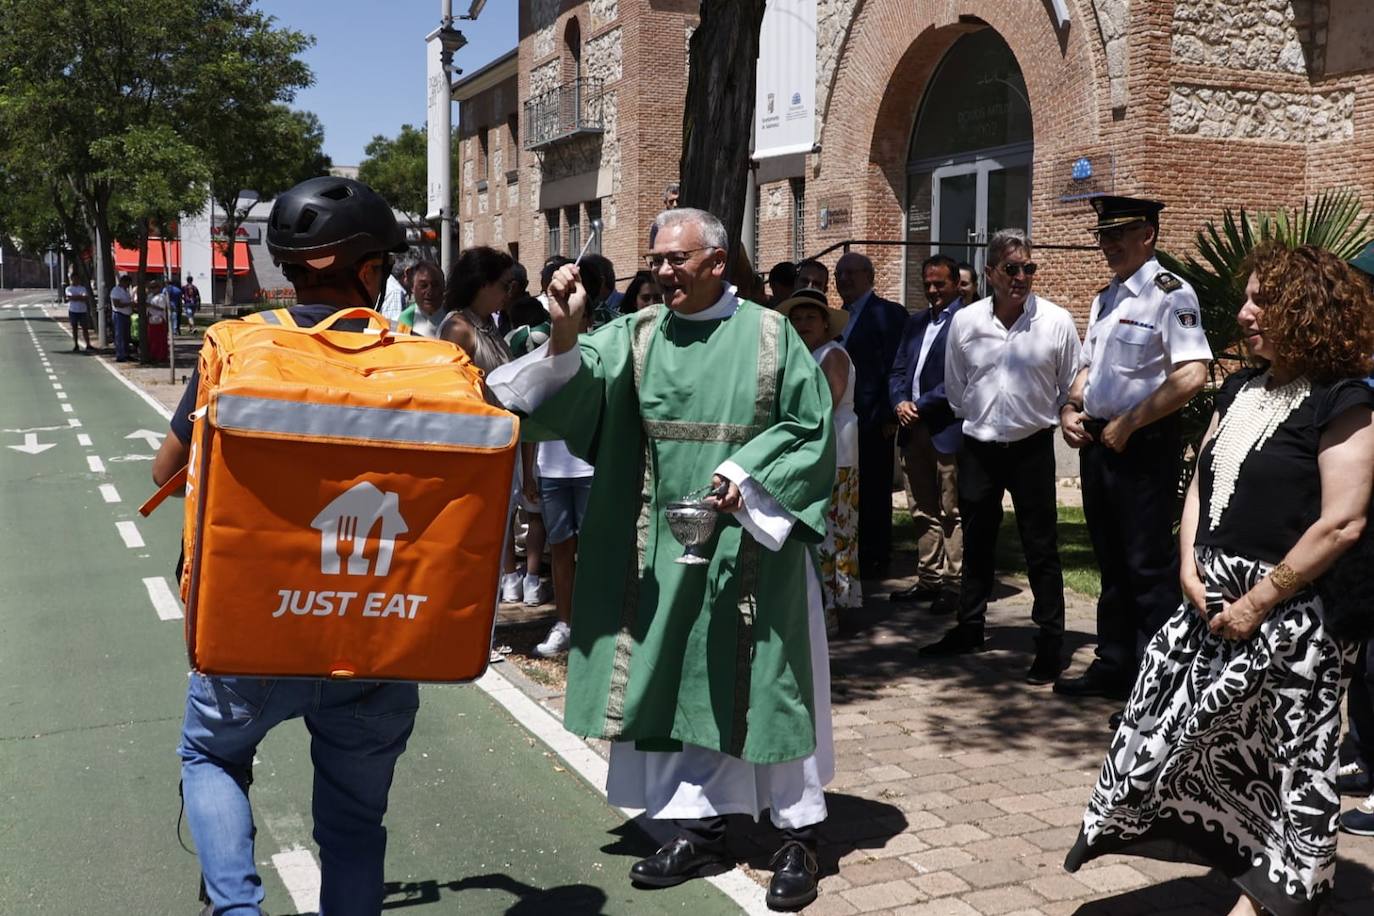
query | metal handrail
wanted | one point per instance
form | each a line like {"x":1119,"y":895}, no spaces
{"x":564,"y":111}
{"x":902,"y":243}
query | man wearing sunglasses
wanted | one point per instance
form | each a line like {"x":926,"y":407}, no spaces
{"x":1009,"y":362}
{"x":1144,"y":358}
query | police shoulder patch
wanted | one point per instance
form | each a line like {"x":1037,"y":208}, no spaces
{"x":1168,"y":282}
{"x":1186,"y":318}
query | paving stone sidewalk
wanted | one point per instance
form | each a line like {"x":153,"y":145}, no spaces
{"x":959,"y":788}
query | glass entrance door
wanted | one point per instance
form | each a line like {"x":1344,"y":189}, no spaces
{"x":971,"y":201}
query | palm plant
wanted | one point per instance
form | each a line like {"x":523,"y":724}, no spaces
{"x":1332,"y":220}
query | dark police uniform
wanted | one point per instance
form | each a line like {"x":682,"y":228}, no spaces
{"x":1138,"y":330}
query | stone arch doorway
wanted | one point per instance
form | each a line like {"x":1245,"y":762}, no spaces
{"x":969,"y":158}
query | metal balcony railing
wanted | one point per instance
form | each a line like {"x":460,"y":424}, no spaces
{"x":569,"y":110}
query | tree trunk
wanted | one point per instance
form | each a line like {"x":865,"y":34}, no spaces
{"x":717,"y":120}
{"x":232,"y":220}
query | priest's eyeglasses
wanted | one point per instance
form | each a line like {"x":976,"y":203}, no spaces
{"x":1015,"y":270}
{"x":674,"y":258}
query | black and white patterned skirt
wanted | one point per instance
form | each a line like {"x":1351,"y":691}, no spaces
{"x":1227,"y":753}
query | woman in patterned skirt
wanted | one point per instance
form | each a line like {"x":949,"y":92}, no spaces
{"x":818,"y":325}
{"x":1226,"y":755}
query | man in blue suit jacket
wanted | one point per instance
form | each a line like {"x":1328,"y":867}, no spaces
{"x":929,"y":437}
{"x":870,"y":338}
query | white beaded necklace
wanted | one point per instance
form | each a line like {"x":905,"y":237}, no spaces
{"x":1254,"y":415}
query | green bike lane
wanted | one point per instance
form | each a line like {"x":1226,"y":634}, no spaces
{"x":484,"y":817}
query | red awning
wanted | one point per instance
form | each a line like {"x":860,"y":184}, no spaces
{"x":126,"y":259}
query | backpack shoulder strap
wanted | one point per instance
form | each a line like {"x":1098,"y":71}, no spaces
{"x":282,"y":317}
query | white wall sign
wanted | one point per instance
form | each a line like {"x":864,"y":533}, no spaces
{"x":437,"y":89}
{"x":785,"y":93}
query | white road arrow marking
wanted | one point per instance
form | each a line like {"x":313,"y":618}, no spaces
{"x":153,"y":439}
{"x":31,"y":445}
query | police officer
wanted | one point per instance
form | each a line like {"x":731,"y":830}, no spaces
{"x":333,"y":238}
{"x":1144,"y":358}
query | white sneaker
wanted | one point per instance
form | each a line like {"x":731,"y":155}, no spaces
{"x":556,"y":643}
{"x":536,"y":593}
{"x":1349,"y":769}
{"x":511,"y":591}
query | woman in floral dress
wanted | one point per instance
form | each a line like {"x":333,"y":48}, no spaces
{"x":818,"y":325}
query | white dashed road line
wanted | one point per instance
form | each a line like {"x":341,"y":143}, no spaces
{"x":66,"y":408}
{"x":300,"y":874}
{"x":109,"y":493}
{"x":83,"y":439}
{"x":73,"y":422}
{"x":128,"y":533}
{"x":95,"y":464}
{"x":165,"y":601}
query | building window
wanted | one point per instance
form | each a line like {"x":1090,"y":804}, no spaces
{"x":758,"y":211}
{"x":555,"y":240}
{"x":593,"y":213}
{"x":483,"y":154}
{"x":798,"y":218}
{"x":513,"y":149}
{"x":574,"y":230}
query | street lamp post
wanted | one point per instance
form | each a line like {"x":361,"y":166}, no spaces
{"x":440,"y":90}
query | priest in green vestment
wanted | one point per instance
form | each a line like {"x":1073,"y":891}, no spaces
{"x":712,"y":681}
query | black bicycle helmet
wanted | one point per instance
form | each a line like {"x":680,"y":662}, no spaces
{"x":329,"y":216}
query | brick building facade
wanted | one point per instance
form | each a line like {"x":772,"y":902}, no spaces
{"x":943,"y":120}
{"x":487,"y":175}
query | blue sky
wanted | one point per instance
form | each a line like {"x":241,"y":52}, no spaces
{"x":369,"y":61}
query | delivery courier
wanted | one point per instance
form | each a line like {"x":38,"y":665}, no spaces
{"x":346,"y":496}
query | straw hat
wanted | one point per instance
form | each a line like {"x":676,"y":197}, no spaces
{"x":838,"y":318}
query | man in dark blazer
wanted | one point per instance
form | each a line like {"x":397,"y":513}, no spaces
{"x":929,"y":436}
{"x":870,"y":338}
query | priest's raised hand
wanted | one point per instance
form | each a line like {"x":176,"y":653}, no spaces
{"x":567,"y":303}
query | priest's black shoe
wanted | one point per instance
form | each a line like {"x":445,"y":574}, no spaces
{"x":917,"y":592}
{"x":794,"y":877}
{"x":961,"y":640}
{"x":1115,"y":719}
{"x":1095,"y":682}
{"x":1048,"y":664}
{"x":677,"y":862}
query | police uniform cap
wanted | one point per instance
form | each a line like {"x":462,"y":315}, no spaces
{"x":1122,"y":211}
{"x":1364,"y":261}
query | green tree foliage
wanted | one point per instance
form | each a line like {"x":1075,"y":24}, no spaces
{"x":397,"y":168}
{"x":87,"y":85}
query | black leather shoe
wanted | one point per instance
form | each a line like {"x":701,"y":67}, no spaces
{"x":917,"y":592}
{"x":1115,"y":719}
{"x":1048,"y":664}
{"x":794,"y":877}
{"x":1358,"y":783}
{"x":1095,"y":682}
{"x":958,"y":641}
{"x":947,"y":603}
{"x":677,"y":862}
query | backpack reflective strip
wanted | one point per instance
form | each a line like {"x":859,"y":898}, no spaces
{"x":296,"y":418}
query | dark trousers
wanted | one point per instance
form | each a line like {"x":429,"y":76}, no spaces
{"x":1359,"y":706}
{"x":1025,"y":469}
{"x":710,"y":831}
{"x":1129,"y":500}
{"x":875,"y":499}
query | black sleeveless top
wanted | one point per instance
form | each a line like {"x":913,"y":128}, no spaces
{"x":1278,"y":494}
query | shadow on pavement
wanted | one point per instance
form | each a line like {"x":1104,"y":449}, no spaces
{"x":530,"y":900}
{"x":878,"y":663}
{"x":1214,"y":893}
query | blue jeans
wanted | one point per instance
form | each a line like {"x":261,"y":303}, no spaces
{"x":123,"y":325}
{"x":357,"y":730}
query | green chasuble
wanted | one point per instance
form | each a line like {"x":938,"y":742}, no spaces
{"x":714,"y":655}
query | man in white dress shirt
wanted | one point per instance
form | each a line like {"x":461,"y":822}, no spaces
{"x":1009,"y":364}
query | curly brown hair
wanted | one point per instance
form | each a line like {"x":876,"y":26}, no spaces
{"x":1318,"y":311}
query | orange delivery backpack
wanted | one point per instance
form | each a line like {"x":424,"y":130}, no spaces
{"x":347,"y":500}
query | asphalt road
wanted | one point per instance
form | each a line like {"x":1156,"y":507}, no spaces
{"x":484,"y":819}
